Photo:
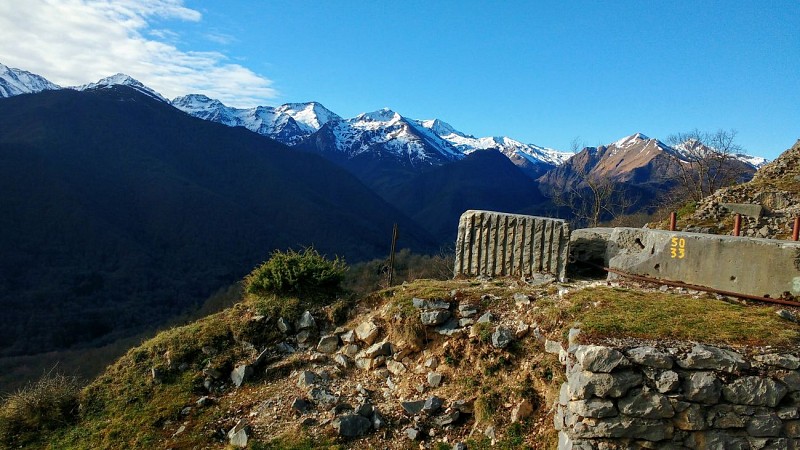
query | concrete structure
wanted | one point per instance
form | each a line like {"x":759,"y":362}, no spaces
{"x":750,"y":266}
{"x":498,"y":244}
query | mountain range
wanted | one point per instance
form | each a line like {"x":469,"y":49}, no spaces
{"x":123,"y":208}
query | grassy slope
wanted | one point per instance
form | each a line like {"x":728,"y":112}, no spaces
{"x":125,"y":408}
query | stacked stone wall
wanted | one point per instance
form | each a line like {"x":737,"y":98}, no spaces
{"x":703,"y":398}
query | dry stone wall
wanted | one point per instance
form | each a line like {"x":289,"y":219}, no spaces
{"x":703,"y":398}
{"x":498,"y":244}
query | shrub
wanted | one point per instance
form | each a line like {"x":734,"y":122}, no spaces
{"x":48,"y":403}
{"x":303,"y":274}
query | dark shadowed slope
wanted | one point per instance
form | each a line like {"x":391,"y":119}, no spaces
{"x":118,"y":210}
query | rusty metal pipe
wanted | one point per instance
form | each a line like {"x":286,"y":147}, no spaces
{"x":737,"y":224}
{"x":796,"y":229}
{"x":702,"y":288}
{"x":673,"y":219}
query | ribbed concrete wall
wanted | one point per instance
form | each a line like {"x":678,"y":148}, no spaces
{"x":497,"y":244}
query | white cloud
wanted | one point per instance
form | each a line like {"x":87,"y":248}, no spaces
{"x":73,"y":42}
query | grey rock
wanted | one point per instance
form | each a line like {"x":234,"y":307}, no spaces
{"x":448,"y":418}
{"x":432,"y":404}
{"x":241,"y":374}
{"x":466,"y":310}
{"x":237,"y":436}
{"x":449,"y":327}
{"x":349,"y":350}
{"x":459,"y":446}
{"x":283,"y":347}
{"x":651,"y":357}
{"x":502,"y":337}
{"x":755,"y":391}
{"x":431,"y":362}
{"x":764,"y":425}
{"x":646,"y":404}
{"x":412,"y":433}
{"x":434,"y":379}
{"x":624,"y":427}
{"x":367,"y":332}
{"x":465,"y":322}
{"x":306,"y":379}
{"x":553,"y":347}
{"x":487,"y":317}
{"x":322,"y":396}
{"x":378,"y":421}
{"x":584,"y":384}
{"x":596,"y":358}
{"x":186,"y":411}
{"x":593,"y":407}
{"x":717,"y":440}
{"x":702,"y":387}
{"x":395,"y":367}
{"x":788,"y":413}
{"x":204,"y":401}
{"x":348,"y":337}
{"x":328,"y":343}
{"x":304,"y":337}
{"x":342,"y":361}
{"x":382,"y":348}
{"x":522,"y":299}
{"x":691,"y":419}
{"x":572,"y":338}
{"x":667,"y":381}
{"x":429,"y":304}
{"x":790,"y":362}
{"x":284,"y":326}
{"x":413,"y":407}
{"x":300,"y":405}
{"x":791,"y":380}
{"x":707,"y":357}
{"x":784,"y":314}
{"x":365,"y":409}
{"x":306,"y":321}
{"x":351,"y":425}
{"x":435,"y":317}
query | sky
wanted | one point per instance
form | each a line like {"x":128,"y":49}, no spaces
{"x":548,"y":73}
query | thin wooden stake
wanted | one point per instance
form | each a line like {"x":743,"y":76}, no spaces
{"x":737,"y":224}
{"x":391,"y":255}
{"x":673,"y":219}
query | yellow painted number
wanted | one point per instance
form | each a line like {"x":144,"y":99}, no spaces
{"x":677,"y":247}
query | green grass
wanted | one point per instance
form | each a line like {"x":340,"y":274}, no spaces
{"x":656,"y":315}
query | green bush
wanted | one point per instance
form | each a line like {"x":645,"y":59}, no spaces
{"x":49,"y":403}
{"x":305,"y":274}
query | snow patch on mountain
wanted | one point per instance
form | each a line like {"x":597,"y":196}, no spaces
{"x":120,"y":79}
{"x":289,"y":123}
{"x":15,"y":82}
{"x":511,"y":148}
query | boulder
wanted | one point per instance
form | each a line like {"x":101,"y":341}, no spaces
{"x":667,"y":381}
{"x":502,"y":337}
{"x":306,"y":321}
{"x":237,"y":436}
{"x":596,"y":358}
{"x":594,"y":408}
{"x":584,"y":384}
{"x":707,"y":357}
{"x":435,"y":317}
{"x":367,"y":332}
{"x":755,"y":391}
{"x":646,"y":404}
{"x":351,"y":425}
{"x":434,"y":379}
{"x":790,"y":362}
{"x":651,"y":357}
{"x":306,"y":379}
{"x":702,"y":387}
{"x":241,"y":374}
{"x":328,"y":343}
{"x":420,"y":303}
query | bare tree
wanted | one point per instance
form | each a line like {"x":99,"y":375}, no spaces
{"x":590,"y":197}
{"x":704,"y":162}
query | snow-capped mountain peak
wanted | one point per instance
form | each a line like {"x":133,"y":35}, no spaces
{"x":629,"y":141}
{"x":120,"y":79}
{"x":16,"y":82}
{"x":381,"y":115}
{"x":441,"y":128}
{"x":311,"y":115}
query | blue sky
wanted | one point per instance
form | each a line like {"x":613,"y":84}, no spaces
{"x":539,"y":72}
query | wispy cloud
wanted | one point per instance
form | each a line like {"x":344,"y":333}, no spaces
{"x":220,"y":38}
{"x":72,"y":42}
